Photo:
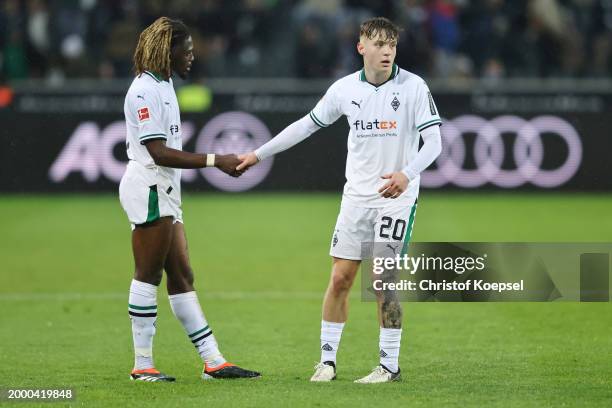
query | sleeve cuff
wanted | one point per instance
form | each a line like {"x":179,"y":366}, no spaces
{"x":316,"y":120}
{"x":411,"y":174}
{"x":425,"y":125}
{"x":259,"y":154}
{"x":152,"y":136}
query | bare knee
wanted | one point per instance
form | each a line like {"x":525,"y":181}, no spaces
{"x":180,"y":282}
{"x":343,"y":275}
{"x":341,"y":282}
{"x":148,"y":275}
{"x":150,"y":245}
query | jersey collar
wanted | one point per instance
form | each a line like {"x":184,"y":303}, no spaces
{"x":394,"y":73}
{"x":154,"y":76}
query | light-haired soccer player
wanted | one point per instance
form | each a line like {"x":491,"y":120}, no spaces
{"x":150,"y":193}
{"x":388,"y":110}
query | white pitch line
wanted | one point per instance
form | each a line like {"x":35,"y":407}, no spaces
{"x":204,"y":295}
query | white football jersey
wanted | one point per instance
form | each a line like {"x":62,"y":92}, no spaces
{"x":385,"y":122}
{"x":152,"y":112}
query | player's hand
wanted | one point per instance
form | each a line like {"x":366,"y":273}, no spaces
{"x":397,"y":183}
{"x":227,"y":163}
{"x":248,"y":160}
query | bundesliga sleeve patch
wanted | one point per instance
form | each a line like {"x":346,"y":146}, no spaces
{"x":143,"y":114}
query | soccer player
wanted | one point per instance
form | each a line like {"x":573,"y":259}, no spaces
{"x":388,"y":110}
{"x":150,"y":194}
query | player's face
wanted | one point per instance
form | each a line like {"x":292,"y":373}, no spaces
{"x":182,"y":57}
{"x":378,"y":52}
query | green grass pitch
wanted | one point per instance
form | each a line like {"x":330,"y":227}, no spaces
{"x":261,"y":267}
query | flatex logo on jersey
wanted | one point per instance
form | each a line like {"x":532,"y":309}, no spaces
{"x":89,"y":151}
{"x":379,"y":128}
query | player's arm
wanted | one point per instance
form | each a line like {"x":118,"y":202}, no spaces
{"x":289,"y":137}
{"x":165,"y":156}
{"x":427,"y":121}
{"x":147,"y":107}
{"x":432,"y":147}
{"x":326,"y":112}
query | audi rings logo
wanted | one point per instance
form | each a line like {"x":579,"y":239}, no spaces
{"x":234,"y":132}
{"x":489,"y":152}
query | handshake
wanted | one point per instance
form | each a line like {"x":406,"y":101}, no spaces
{"x":235,"y":165}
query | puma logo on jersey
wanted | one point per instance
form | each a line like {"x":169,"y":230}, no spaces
{"x":357,"y":104}
{"x":393,"y":248}
{"x":140,"y":96}
{"x":376,"y":124}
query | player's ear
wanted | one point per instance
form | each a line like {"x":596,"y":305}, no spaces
{"x":360,"y":48}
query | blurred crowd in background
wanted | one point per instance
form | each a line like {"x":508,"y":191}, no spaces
{"x":57,"y":39}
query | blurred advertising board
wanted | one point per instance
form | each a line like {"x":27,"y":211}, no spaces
{"x":491,"y":140}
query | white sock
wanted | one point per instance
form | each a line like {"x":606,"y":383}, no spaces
{"x":330,"y":340}
{"x":389,"y":348}
{"x":142,"y":308}
{"x":186,"y":308}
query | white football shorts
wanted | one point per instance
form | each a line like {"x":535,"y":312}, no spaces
{"x":358,"y":227}
{"x":146,"y":196}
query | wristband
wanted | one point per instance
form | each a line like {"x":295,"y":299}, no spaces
{"x":210,"y":160}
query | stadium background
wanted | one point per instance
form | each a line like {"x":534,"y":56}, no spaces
{"x":525,"y":92}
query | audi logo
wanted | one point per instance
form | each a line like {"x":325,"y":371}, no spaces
{"x":489,"y":152}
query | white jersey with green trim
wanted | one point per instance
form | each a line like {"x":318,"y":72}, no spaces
{"x":385,"y":122}
{"x":152,"y":112}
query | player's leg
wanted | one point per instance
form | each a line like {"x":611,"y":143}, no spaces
{"x":335,"y":302}
{"x":393,"y":231}
{"x":335,"y":314}
{"x":184,"y":300}
{"x":335,"y":306}
{"x":187,"y":309}
{"x":350,"y":231}
{"x":150,"y":244}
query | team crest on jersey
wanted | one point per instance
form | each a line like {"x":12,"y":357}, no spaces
{"x":143,"y":114}
{"x":395,"y":103}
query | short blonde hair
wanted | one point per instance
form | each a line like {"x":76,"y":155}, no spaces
{"x":376,"y":26}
